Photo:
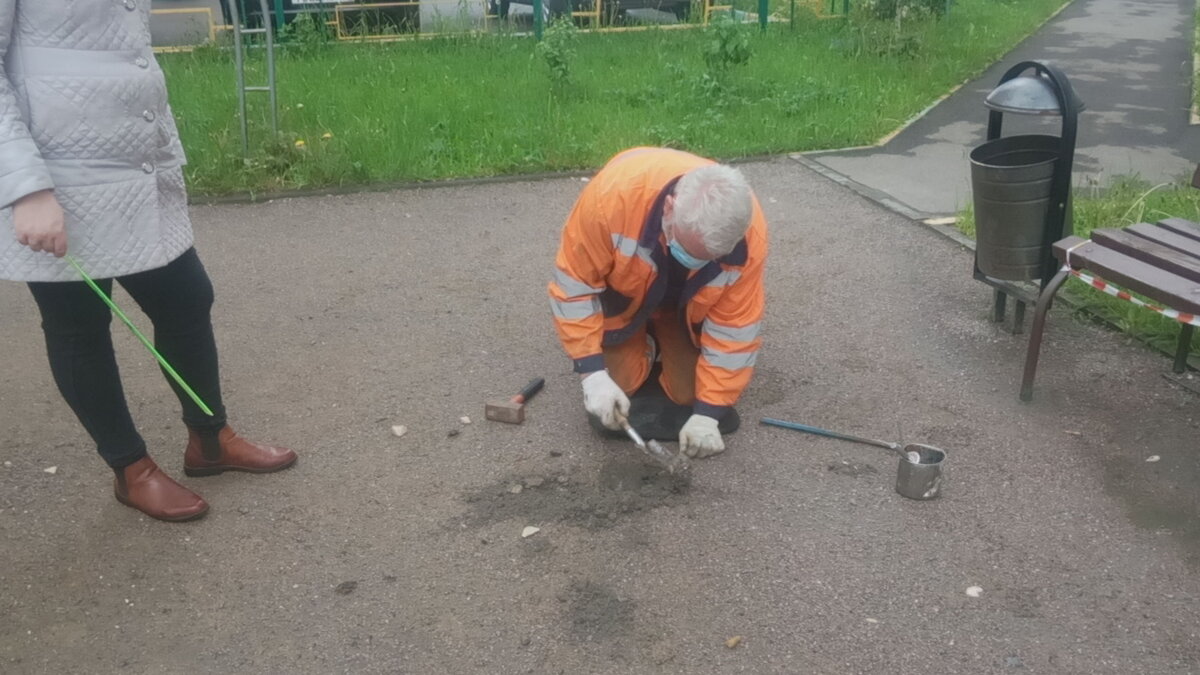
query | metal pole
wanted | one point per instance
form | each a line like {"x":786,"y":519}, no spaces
{"x":271,"y":71}
{"x":762,"y":15}
{"x":1060,"y":224}
{"x":1183,"y":347}
{"x":278,"y":14}
{"x":240,"y":67}
{"x":537,"y":19}
{"x":792,"y":16}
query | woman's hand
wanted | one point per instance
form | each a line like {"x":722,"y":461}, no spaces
{"x":38,"y":221}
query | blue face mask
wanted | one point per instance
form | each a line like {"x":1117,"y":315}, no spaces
{"x":686,"y":259}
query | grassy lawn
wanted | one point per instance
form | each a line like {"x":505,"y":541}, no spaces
{"x":1124,"y":204}
{"x":487,"y":105}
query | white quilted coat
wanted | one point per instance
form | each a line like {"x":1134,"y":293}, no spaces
{"x":83,"y":110}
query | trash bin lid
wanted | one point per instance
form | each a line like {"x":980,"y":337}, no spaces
{"x":1027,"y":95}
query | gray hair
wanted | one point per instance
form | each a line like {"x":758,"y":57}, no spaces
{"x":714,"y":201}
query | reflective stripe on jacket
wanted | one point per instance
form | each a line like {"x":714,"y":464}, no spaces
{"x":606,"y":280}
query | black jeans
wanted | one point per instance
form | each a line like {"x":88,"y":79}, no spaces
{"x":178,"y":299}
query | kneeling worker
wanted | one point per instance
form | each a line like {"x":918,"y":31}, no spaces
{"x":661,"y":267}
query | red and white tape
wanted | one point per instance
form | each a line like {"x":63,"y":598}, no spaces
{"x":1094,"y":282}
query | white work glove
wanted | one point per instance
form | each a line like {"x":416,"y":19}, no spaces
{"x":700,"y":437}
{"x":604,"y":399}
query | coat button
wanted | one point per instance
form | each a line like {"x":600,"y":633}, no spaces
{"x":147,"y":167}
{"x":130,"y":5}
{"x":142,"y":62}
{"x":148,"y":115}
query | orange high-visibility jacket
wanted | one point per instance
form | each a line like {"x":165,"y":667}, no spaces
{"x":607,"y":279}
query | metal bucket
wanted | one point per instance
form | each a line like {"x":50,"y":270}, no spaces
{"x":1011,"y":179}
{"x":921,"y":480}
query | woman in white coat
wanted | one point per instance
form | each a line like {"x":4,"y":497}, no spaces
{"x":90,"y":163}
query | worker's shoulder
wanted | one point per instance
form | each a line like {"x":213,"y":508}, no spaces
{"x":651,"y":160}
{"x":756,"y":237}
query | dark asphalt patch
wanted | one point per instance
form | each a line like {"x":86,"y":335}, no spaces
{"x":624,"y":487}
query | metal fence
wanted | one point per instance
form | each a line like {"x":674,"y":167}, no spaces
{"x":185,"y":24}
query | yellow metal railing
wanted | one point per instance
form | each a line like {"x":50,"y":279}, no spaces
{"x":345,"y":28}
{"x":213,"y":26}
{"x":340,"y":12}
{"x":346,"y":31}
{"x":592,"y":15}
{"x":711,"y":7}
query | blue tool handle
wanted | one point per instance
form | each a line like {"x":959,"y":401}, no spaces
{"x":825,"y":432}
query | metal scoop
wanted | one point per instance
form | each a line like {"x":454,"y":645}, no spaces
{"x":919,"y":475}
{"x":656,"y":451}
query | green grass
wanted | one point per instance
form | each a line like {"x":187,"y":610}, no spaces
{"x":1125,"y":203}
{"x":472,"y":106}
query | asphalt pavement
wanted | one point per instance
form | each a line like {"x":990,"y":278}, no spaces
{"x":341,"y":317}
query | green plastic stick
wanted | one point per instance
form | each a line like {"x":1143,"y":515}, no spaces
{"x":117,"y":310}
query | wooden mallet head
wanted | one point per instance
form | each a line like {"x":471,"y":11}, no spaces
{"x":512,"y":411}
{"x":505,"y":410}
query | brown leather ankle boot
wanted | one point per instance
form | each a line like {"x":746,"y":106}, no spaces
{"x":209,"y":455}
{"x":143,"y":486}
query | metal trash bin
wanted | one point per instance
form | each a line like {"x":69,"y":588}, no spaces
{"x":1011,"y":180}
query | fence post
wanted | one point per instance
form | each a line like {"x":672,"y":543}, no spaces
{"x":762,"y":15}
{"x":537,"y":19}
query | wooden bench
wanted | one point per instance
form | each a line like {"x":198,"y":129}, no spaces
{"x":1160,"y":261}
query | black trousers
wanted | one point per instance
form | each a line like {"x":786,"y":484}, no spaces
{"x":77,"y":324}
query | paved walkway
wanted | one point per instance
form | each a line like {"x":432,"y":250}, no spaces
{"x":338,"y":317}
{"x":1131,"y":63}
